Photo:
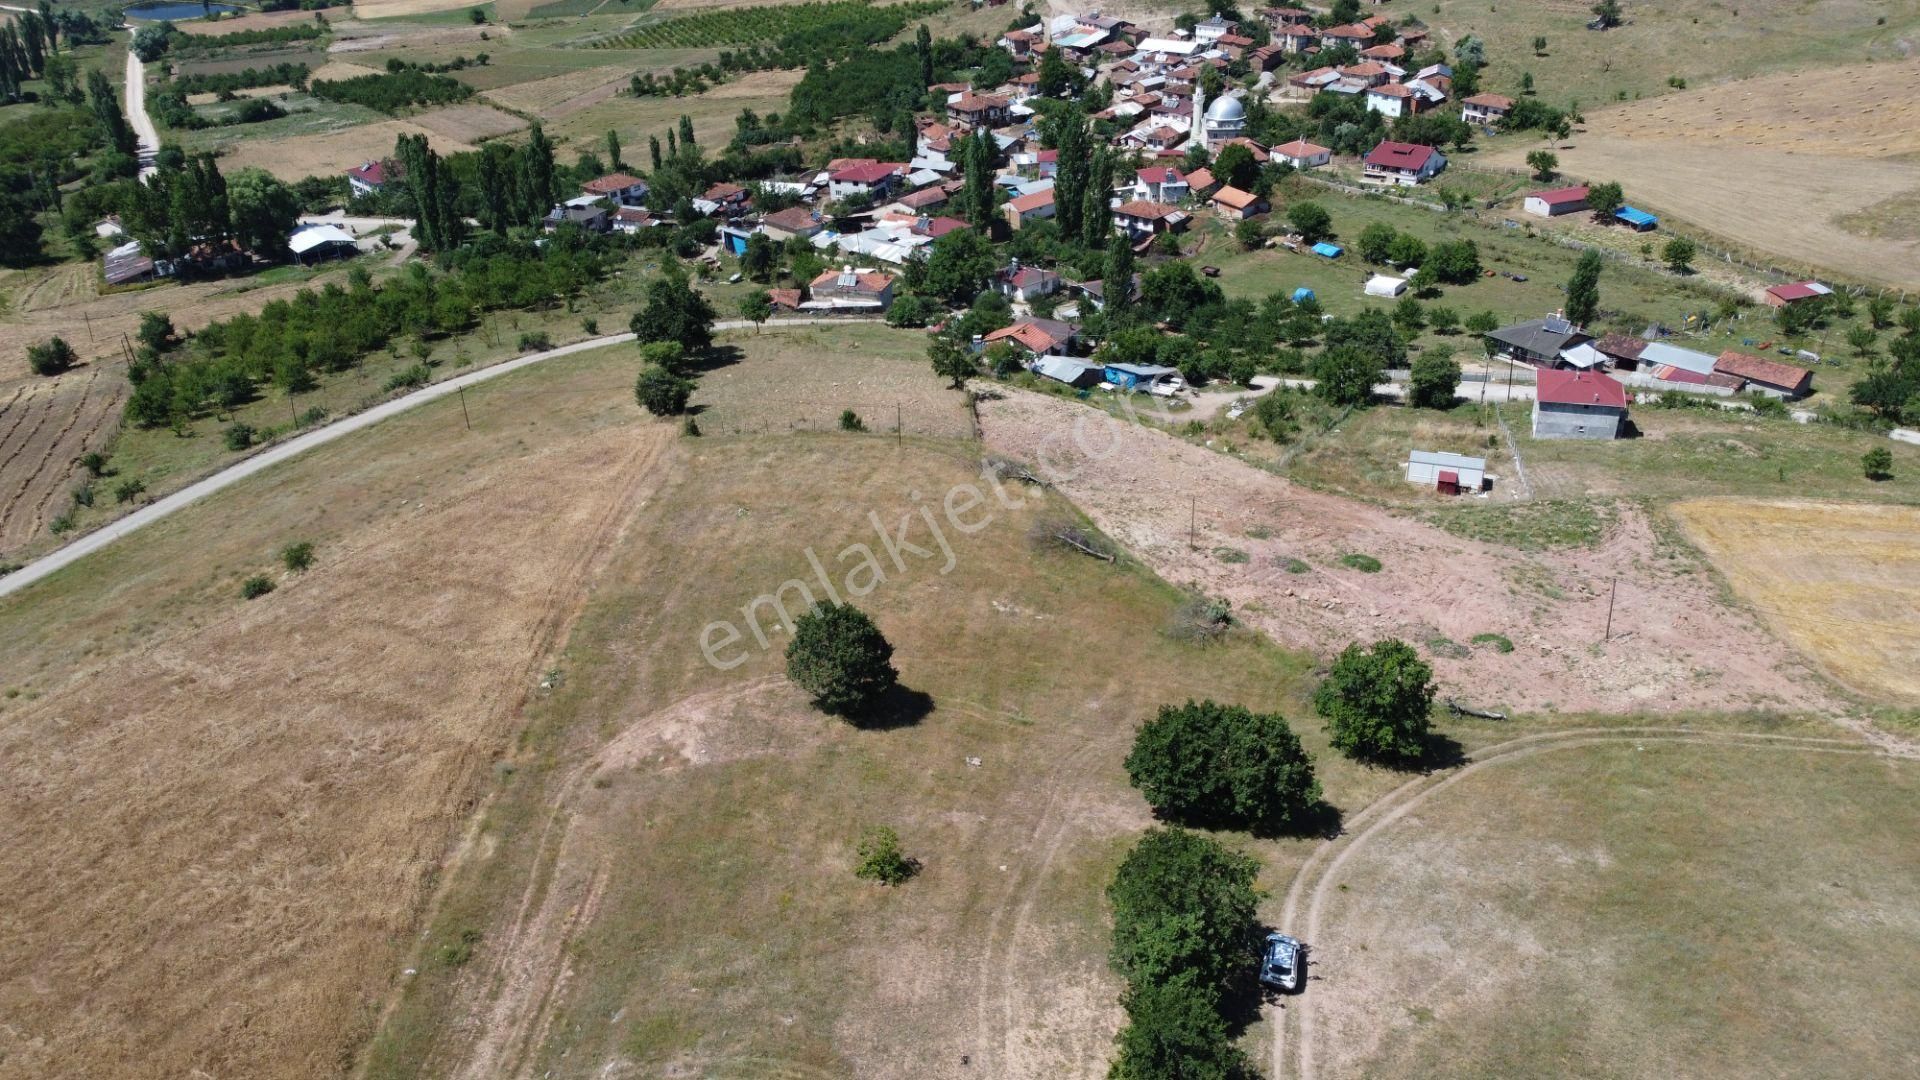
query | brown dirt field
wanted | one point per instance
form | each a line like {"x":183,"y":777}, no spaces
{"x":560,"y":95}
{"x":308,"y":155}
{"x":1841,"y":581}
{"x":45,"y":425}
{"x":1803,"y":166}
{"x":249,"y":92}
{"x":389,"y":9}
{"x":257,"y":20}
{"x":370,"y":38}
{"x":470,"y":123}
{"x":1676,"y":646}
{"x":338,"y":70}
{"x":220,"y":857}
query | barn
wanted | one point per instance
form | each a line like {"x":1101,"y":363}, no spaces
{"x":1566,"y":200}
{"x":1578,"y":405}
{"x":1451,"y":473}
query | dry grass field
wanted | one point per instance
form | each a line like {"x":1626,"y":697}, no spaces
{"x":394,"y":9}
{"x":45,"y":425}
{"x":874,"y":370}
{"x":713,"y":112}
{"x":469,"y":124}
{"x":562,"y":95}
{"x":1820,"y":169}
{"x":324,"y":154}
{"x":1840,"y":581}
{"x":225,"y":816}
{"x":1645,"y":905}
{"x":254,"y":20}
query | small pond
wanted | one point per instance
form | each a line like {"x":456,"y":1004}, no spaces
{"x":177,"y":11}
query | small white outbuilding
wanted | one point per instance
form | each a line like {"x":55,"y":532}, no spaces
{"x":1383,"y":285}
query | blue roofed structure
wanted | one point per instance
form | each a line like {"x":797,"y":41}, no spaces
{"x":1638,"y":220}
{"x":1331,"y":251}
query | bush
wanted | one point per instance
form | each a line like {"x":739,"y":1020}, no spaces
{"x":256,"y":586}
{"x":536,"y":341}
{"x":1877,"y":463}
{"x":880,"y":858}
{"x":409,"y":378}
{"x":1434,"y":381}
{"x":1182,"y":905}
{"x":51,"y":358}
{"x":128,"y":490}
{"x":840,"y":657}
{"x":297,"y":557}
{"x":239,"y":436}
{"x":661,"y":392}
{"x":1211,"y":764}
{"x":850,"y":421}
{"x":1500,"y":642}
{"x":94,"y":462}
{"x":1366,"y":564}
{"x":1375,"y":702}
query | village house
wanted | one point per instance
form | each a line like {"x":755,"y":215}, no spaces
{"x":1537,"y":342}
{"x":1780,"y":296}
{"x":1140,"y":219}
{"x":620,"y":188}
{"x":1578,"y":405}
{"x":1358,"y":35}
{"x":589,"y":217}
{"x":978,"y":110}
{"x":725,"y":200}
{"x":874,"y":180}
{"x":849,"y":290}
{"x":1037,"y":206}
{"x":1236,"y":205}
{"x":793,"y":222}
{"x":1037,"y":337}
{"x":1161,"y":183}
{"x":1392,"y":100}
{"x":1772,"y":378}
{"x":633,"y":219}
{"x":1018,"y":282}
{"x":1485,"y":109}
{"x":1547,"y":204}
{"x":371,"y":177}
{"x":1621,"y":350}
{"x":925,"y":201}
{"x":1302,"y":154}
{"x":1401,"y":163}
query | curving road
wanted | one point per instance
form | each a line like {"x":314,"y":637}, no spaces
{"x":320,"y":436}
{"x":143,"y":130}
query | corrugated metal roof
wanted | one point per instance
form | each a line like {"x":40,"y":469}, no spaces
{"x":1452,"y":461}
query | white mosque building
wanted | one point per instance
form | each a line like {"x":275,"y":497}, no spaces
{"x":1219,"y":122}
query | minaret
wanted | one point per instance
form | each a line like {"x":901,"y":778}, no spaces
{"x":1199,"y":133}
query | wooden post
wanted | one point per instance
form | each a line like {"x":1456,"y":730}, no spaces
{"x":464,"y":415}
{"x":1611,"y":590}
{"x":1193,"y":522}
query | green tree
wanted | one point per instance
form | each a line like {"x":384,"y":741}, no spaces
{"x":1182,"y":905}
{"x":1607,"y":14}
{"x":1877,"y":463}
{"x":1376,"y":241}
{"x":1376,"y":702}
{"x":1678,"y":255}
{"x":1310,"y":220}
{"x":951,"y":362}
{"x":1235,"y":166}
{"x":878,"y":858}
{"x":761,"y":258}
{"x":661,"y":392}
{"x":156,"y":331}
{"x":1210,"y":764}
{"x":1434,"y":380}
{"x":51,"y":357}
{"x":1862,"y":339}
{"x":1444,"y":320}
{"x":959,"y":265}
{"x":1456,"y":262}
{"x":1371,"y":331}
{"x":106,"y":109}
{"x":1117,"y":287}
{"x":1543,"y":163}
{"x":297,"y":556}
{"x":1249,"y":234}
{"x":840,"y":657}
{"x":1482,"y":322}
{"x":1409,"y":317}
{"x":1604,"y":199}
{"x":1346,"y":376}
{"x":1583,"y":289}
{"x":675,"y":311}
{"x":1175,"y":1032}
{"x":756,"y":307}
{"x":263,"y":211}
{"x":613,"y":151}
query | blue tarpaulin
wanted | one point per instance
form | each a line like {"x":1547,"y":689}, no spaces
{"x":1302,"y":294}
{"x":1639,"y":219}
{"x":1331,"y":251}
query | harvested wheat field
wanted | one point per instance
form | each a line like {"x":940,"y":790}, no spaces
{"x":340,"y":70}
{"x":369,"y":37}
{"x":319,"y":155}
{"x":225,"y":816}
{"x":469,"y":123}
{"x":45,"y":425}
{"x":1840,"y":581}
{"x":255,"y":20}
{"x":1804,"y":167}
{"x":1675,"y":648}
{"x":245,"y":92}
{"x":560,"y":95}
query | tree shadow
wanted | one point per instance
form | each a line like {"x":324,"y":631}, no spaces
{"x":1322,"y":821}
{"x":714,"y":358}
{"x":899,"y":707}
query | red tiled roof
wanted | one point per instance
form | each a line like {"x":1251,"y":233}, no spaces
{"x":1393,"y":90}
{"x":1562,"y":195}
{"x":1761,"y":370}
{"x":793,"y":219}
{"x":610,"y":183}
{"x":1799,"y":290}
{"x":1489,"y":101}
{"x":376,"y":172}
{"x":1557,"y":387}
{"x":1035,"y":201}
{"x":1235,"y":198}
{"x":724,"y":192}
{"x":1145,"y":210}
{"x":1300,"y":148}
{"x":870,"y":173}
{"x":938,"y":227}
{"x":870,"y":281}
{"x":1399,"y":155}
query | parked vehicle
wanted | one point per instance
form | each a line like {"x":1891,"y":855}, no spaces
{"x":1280,"y":963}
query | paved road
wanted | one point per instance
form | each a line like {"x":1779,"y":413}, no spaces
{"x":320,"y":436}
{"x":136,"y":107}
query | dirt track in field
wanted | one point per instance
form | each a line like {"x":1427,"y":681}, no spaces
{"x":1676,"y":647}
{"x":221,"y":846}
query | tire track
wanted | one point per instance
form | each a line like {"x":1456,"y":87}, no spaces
{"x":1296,"y":1028}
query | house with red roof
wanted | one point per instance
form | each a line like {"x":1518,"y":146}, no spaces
{"x":1800,"y":291}
{"x":368,"y":177}
{"x":1140,"y":219}
{"x":1302,"y":154}
{"x":874,"y":179}
{"x":1789,"y":382}
{"x":1578,"y":405}
{"x":1485,"y":109}
{"x":1405,"y":164}
{"x":978,"y":110}
{"x":620,"y":188}
{"x":1547,"y":204}
{"x":1018,"y":282}
{"x":793,"y":222}
{"x":1041,"y":337}
{"x":849,"y":290}
{"x":1236,"y":205}
{"x":1035,"y":207}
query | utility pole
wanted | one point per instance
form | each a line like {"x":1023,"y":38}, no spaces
{"x":292,"y":417}
{"x":89,"y":319}
{"x":1611,"y":590}
{"x":899,"y":430}
{"x":1193,"y":522}
{"x":464,"y":415}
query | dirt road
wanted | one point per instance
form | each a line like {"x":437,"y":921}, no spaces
{"x":192,"y":493}
{"x":143,"y":129}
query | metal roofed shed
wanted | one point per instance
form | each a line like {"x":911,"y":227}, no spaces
{"x":1070,"y":370}
{"x":1452,"y":473}
{"x":311,"y":242}
{"x":1636,"y":219}
{"x":1385,"y":285}
{"x":1331,"y":251}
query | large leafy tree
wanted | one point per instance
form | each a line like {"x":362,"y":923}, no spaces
{"x":840,"y":657}
{"x":263,"y":211}
{"x":1583,"y":289}
{"x":1182,"y":904}
{"x":1210,"y":764}
{"x":675,"y":312}
{"x":1376,"y":702}
{"x":958,"y":266}
{"x":1435,"y":379}
{"x":1175,"y":1032}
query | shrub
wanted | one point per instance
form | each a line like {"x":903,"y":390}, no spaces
{"x":128,"y":490}
{"x":1375,"y":702}
{"x":1200,"y":619}
{"x":83,"y":495}
{"x":52,"y":357}
{"x":880,"y":858}
{"x":1366,"y":564}
{"x":1212,"y":764}
{"x":1434,"y":381}
{"x":1500,"y":642}
{"x":94,"y":462}
{"x":239,"y":436}
{"x":409,"y":377}
{"x":850,"y":421}
{"x":661,"y":392}
{"x":840,"y":657}
{"x":1877,"y":463}
{"x":297,"y":557}
{"x":256,"y":586}
{"x":1296,"y":566}
{"x":537,"y":341}
{"x":1230,"y":555}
